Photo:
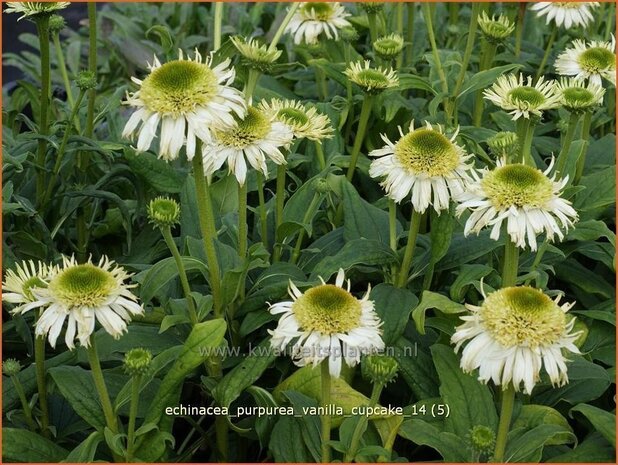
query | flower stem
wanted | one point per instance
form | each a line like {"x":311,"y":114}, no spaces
{"x":361,"y":426}
{"x":404,"y":271}
{"x":24,"y":402}
{"x":550,"y":43}
{"x":511,"y":263}
{"x":566,"y":144}
{"x":373,"y":26}
{"x":315,"y":202}
{"x":135,"y":382}
{"x":242,"y":220}
{"x":410,"y":33}
{"x":217,"y":26}
{"x":63,"y":71}
{"x":99,"y":382}
{"x":262,"y":209}
{"x":169,"y":240}
{"x":392,"y":232}
{"x":209,"y":231}
{"x":41,"y":381}
{"x":325,"y":418}
{"x":519,"y":28}
{"x":525,"y":134}
{"x":282,"y":26}
{"x":279,"y":205}
{"x":42,"y":24}
{"x":506,"y":412}
{"x":319,"y":152}
{"x":427,"y":14}
{"x":585,"y":136}
{"x":62,"y":148}
{"x":488,"y":52}
{"x":476,"y":8}
{"x":360,"y":135}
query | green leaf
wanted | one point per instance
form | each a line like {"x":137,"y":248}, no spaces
{"x":449,"y":445}
{"x":467,"y":249}
{"x":469,"y":401}
{"x":163,"y":272}
{"x":86,"y":450}
{"x":604,"y":422}
{"x":199,"y":346}
{"x":484,"y":79}
{"x":441,"y":233}
{"x":434,"y":300}
{"x":19,"y":445}
{"x":467,"y":276}
{"x":532,"y":416}
{"x":286,"y":442}
{"x":591,"y":230}
{"x":77,"y":386}
{"x":158,"y":173}
{"x":164,"y":35}
{"x":593,"y":449}
{"x":361,"y":219}
{"x":417,"y":369}
{"x":600,"y":190}
{"x":310,"y":424}
{"x":244,"y":374}
{"x":393,"y":306}
{"x":527,"y":446}
{"x":413,"y":81}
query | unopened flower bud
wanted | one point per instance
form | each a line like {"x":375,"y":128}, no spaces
{"x":11,"y":367}
{"x":163,"y":212}
{"x":137,"y":361}
{"x":379,"y":369}
{"x":482,"y":439}
{"x":56,"y":24}
{"x":86,"y":80}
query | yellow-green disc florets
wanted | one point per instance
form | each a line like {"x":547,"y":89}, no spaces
{"x":428,"y":151}
{"x":163,"y":212}
{"x":322,"y":11}
{"x":379,"y":369}
{"x":11,"y":367}
{"x":372,"y":7}
{"x":137,"y":362}
{"x":517,"y":185}
{"x":327,"y":309}
{"x":178,"y":87}
{"x":84,"y":285}
{"x":523,"y":316}
{"x":482,"y":439}
{"x":255,"y":55}
{"x":305,"y":122}
{"x":503,"y":144}
{"x":578,"y":96}
{"x":495,"y":30}
{"x":388,"y":47}
{"x":254,"y":127}
{"x":34,"y":10}
{"x":596,"y":59}
{"x":371,"y":80}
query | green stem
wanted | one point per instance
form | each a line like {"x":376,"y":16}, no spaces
{"x":361,"y":426}
{"x":242,"y":220}
{"x":279,"y":205}
{"x":217,"y":26}
{"x":550,"y":43}
{"x":262,"y":209}
{"x":315,"y":202}
{"x":41,"y":381}
{"x":209,"y":231}
{"x":283,"y":25}
{"x":476,"y":8}
{"x":506,"y":412}
{"x":169,"y":240}
{"x":519,"y":28}
{"x":399,"y":27}
{"x":566,"y":144}
{"x":42,"y":24}
{"x":585,"y":136}
{"x":62,"y":148}
{"x":252,"y":79}
{"x":537,"y":259}
{"x":511,"y":263}
{"x":360,"y":135}
{"x":427,"y":14}
{"x":404,"y":271}
{"x":135,"y":384}
{"x":488,"y":52}
{"x":63,"y":70}
{"x":410,"y":33}
{"x":24,"y":402}
{"x":373,"y":26}
{"x":427,"y":280}
{"x":325,"y":418}
{"x":392,"y":224}
{"x":99,"y":382}
{"x":319,"y":151}
{"x":525,"y":134}
{"x":321,"y":84}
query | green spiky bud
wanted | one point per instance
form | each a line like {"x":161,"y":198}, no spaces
{"x":504,"y":143}
{"x":137,"y":362}
{"x":322,"y":186}
{"x":164,"y":212}
{"x":348,"y":34}
{"x":379,"y":369}
{"x":56,"y":24}
{"x":86,"y":80}
{"x":372,"y":7}
{"x":388,"y":47}
{"x":495,"y":30}
{"x":482,"y":439}
{"x":11,"y":367}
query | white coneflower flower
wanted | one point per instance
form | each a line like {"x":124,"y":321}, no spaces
{"x":255,"y":138}
{"x":189,"y":98}
{"x":525,"y":197}
{"x":388,"y":47}
{"x":565,"y":13}
{"x":371,"y":80}
{"x":83,"y":294}
{"x":513,"y":334}
{"x":327,"y":321}
{"x":495,"y":29}
{"x":577,"y":96}
{"x":305,"y":122}
{"x":32,"y":9}
{"x":256,"y":55}
{"x":592,"y":60}
{"x":425,"y":163}
{"x":314,"y":18}
{"x":17,"y":286}
{"x":522,"y":99}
